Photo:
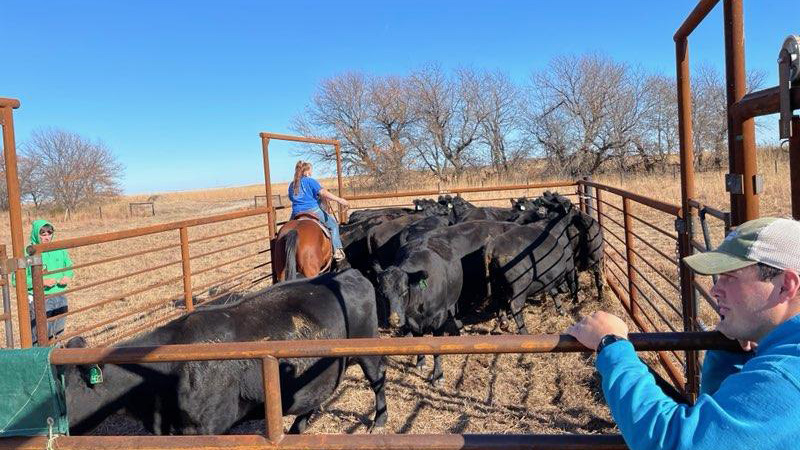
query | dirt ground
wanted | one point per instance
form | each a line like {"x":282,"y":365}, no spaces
{"x":534,"y":393}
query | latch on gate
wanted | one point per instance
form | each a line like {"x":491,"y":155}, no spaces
{"x":23,"y":263}
{"x":789,"y":77}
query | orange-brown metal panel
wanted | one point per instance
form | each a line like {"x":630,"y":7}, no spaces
{"x":327,"y":441}
{"x":15,"y":216}
{"x":144,"y":231}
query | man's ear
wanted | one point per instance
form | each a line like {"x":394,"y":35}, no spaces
{"x":791,"y":284}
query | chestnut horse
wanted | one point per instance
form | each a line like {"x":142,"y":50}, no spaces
{"x":301,"y":246}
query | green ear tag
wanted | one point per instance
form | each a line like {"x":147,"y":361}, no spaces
{"x":95,"y":375}
{"x":423,"y":283}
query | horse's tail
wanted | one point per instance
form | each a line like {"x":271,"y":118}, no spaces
{"x":290,"y":247}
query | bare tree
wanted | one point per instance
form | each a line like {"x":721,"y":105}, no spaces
{"x":658,"y":137}
{"x":74,"y":170}
{"x":583,"y":111}
{"x":449,"y":119}
{"x":498,"y":99}
{"x":710,"y":115}
{"x":369,"y":116}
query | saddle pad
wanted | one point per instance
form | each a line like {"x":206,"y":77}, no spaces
{"x":30,"y":394}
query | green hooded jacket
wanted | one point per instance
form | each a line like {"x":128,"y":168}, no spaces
{"x":53,"y":260}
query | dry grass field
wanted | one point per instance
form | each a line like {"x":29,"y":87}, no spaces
{"x":556,"y":393}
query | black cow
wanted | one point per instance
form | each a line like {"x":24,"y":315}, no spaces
{"x":432,"y":275}
{"x":528,"y":260}
{"x":209,"y":397}
{"x":586,"y":238}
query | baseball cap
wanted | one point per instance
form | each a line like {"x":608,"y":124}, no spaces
{"x":773,"y":241}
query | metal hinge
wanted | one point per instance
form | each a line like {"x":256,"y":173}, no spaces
{"x":23,"y":263}
{"x":734,"y":183}
{"x":680,"y":225}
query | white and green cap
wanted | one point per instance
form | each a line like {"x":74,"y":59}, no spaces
{"x":769,"y":240}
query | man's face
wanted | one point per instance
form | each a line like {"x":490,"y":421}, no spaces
{"x":747,"y":305}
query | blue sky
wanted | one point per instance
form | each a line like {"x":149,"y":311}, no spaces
{"x":180,"y":89}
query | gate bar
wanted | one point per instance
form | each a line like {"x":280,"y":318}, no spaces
{"x":450,"y":345}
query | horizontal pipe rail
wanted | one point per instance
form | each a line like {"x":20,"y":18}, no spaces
{"x":146,"y":308}
{"x":674,"y":210}
{"x":109,"y":280}
{"x":305,"y":139}
{"x":695,"y":17}
{"x":229,"y":262}
{"x":457,"y":345}
{"x":719,"y":214}
{"x":113,"y":259}
{"x":327,"y":441}
{"x":226,"y":248}
{"x":465,"y":190}
{"x":762,"y":103}
{"x":658,"y":271}
{"x":144,"y":231}
{"x":236,"y":231}
{"x":144,"y":327}
{"x":660,"y":230}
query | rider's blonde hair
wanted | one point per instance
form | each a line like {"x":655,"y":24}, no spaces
{"x":299,"y":169}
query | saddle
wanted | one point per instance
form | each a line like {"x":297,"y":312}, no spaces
{"x":313,"y":217}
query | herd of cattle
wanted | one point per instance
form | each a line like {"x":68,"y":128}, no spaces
{"x":426,"y":270}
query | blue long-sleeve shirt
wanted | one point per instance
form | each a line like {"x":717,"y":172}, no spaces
{"x":746,"y":401}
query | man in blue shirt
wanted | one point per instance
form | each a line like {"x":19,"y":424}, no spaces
{"x":305,"y":194}
{"x":748,"y":400}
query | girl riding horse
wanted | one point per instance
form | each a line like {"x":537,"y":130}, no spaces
{"x":305,"y":194}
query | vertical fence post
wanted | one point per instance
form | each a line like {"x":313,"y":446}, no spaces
{"x":630,"y":255}
{"x":684,"y":223}
{"x":579,"y":191}
{"x":342,"y":212}
{"x":187,"y":270}
{"x":39,"y":310}
{"x":599,"y":209}
{"x":8,"y":323}
{"x":273,"y":409}
{"x":7,"y":105}
{"x":794,"y":166}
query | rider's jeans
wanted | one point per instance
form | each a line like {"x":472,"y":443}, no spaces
{"x":331,"y":223}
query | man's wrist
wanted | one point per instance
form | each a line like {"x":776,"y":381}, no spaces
{"x":609,"y":339}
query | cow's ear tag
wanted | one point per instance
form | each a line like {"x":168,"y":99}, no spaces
{"x":449,"y":206}
{"x":423,"y":283}
{"x":95,"y":375}
{"x":522,"y":207}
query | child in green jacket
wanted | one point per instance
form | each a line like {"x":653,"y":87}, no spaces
{"x":42,"y":232}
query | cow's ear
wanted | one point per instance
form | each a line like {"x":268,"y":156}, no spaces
{"x":418,"y":279}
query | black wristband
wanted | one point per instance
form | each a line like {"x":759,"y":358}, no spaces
{"x":608,"y":340}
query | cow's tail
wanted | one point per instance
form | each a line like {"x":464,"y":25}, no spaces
{"x":290,"y":247}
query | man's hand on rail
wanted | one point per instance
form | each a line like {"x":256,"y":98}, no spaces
{"x":591,"y":329}
{"x":50,"y":282}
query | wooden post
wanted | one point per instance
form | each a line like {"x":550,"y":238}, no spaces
{"x":39,"y":304}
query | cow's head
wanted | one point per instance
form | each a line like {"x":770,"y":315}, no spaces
{"x":393,"y":287}
{"x":398,"y":287}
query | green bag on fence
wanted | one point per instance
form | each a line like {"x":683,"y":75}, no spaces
{"x":30,"y":394}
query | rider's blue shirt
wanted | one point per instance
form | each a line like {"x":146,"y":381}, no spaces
{"x":307,"y":197}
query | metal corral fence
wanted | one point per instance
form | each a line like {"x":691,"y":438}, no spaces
{"x":133,"y":280}
{"x":269,"y":352}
